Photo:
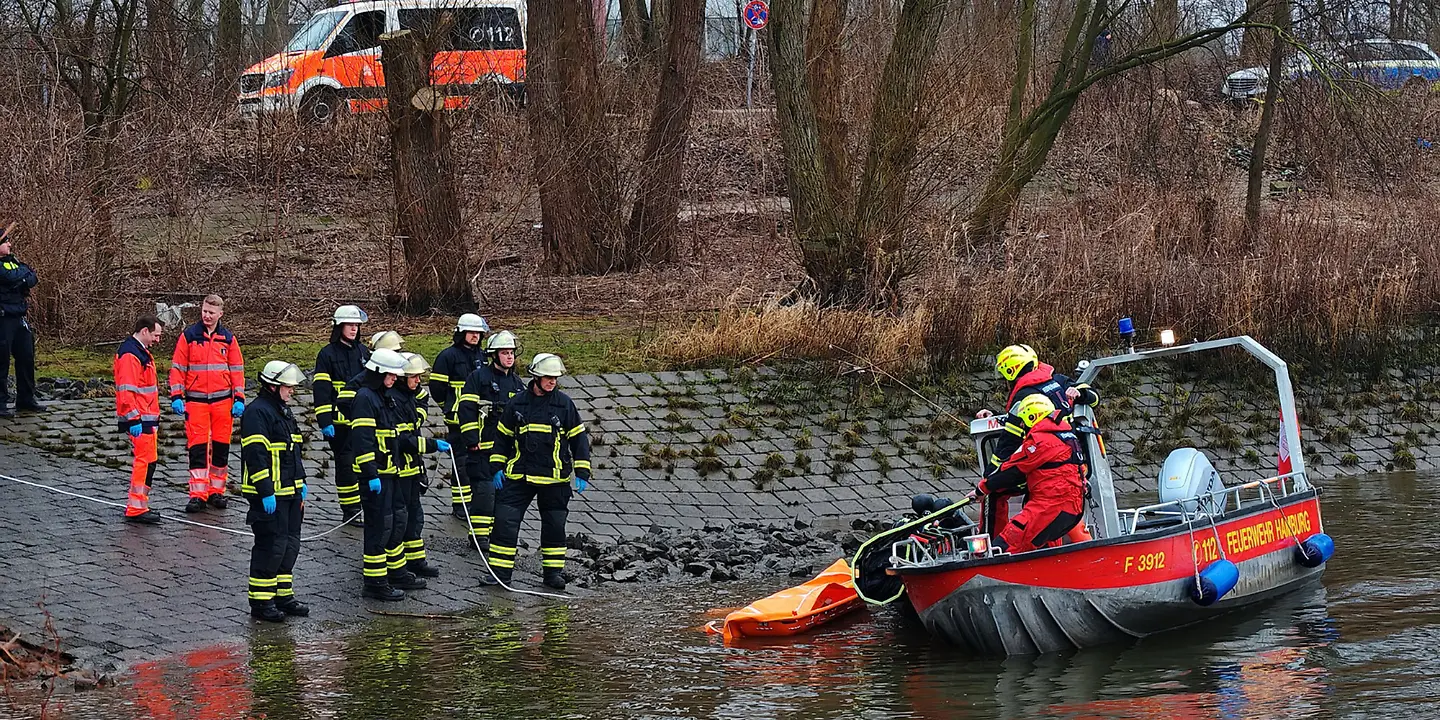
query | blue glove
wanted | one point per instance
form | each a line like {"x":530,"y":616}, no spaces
{"x":328,"y":431}
{"x":375,"y":485}
{"x":238,"y":408}
{"x":178,"y":406}
{"x":581,"y":484}
{"x":135,"y":430}
{"x":304,"y":490}
{"x":268,"y":502}
{"x":442,"y":445}
{"x":499,"y":479}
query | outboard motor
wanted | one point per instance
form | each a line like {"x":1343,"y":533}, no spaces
{"x":1188,"y":476}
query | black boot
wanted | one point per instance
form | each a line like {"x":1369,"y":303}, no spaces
{"x":266,"y":610}
{"x":219,"y":501}
{"x":423,"y":568}
{"x":457,"y":511}
{"x":383,"y":592}
{"x":406,"y":580}
{"x":554,"y":579}
{"x":149,"y":517}
{"x":291,"y":606}
{"x":6,"y":412}
{"x":195,"y":505}
{"x":346,"y":512}
{"x":487,"y":580}
{"x":32,"y":406}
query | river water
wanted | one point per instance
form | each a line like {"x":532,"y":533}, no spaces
{"x":1363,"y":645}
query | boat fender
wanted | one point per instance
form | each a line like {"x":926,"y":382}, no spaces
{"x":1215,"y":580}
{"x":1315,"y":550}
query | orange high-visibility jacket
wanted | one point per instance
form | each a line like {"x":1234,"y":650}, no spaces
{"x":207,"y":367}
{"x":137,"y":393}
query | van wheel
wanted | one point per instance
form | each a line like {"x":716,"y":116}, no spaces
{"x":320,"y":106}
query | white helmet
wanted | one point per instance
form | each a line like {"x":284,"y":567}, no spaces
{"x":470,"y":322}
{"x":279,"y":372}
{"x":547,"y":365}
{"x":386,"y":361}
{"x":386,"y":340}
{"x":349,"y":314}
{"x":415,"y":364}
{"x":503,"y":340}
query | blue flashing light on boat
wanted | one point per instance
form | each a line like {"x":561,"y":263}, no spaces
{"x":1127,"y":328}
{"x":1215,"y":580}
{"x":1315,"y":550}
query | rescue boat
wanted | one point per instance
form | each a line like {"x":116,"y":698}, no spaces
{"x":1206,"y":548}
{"x":795,"y":610}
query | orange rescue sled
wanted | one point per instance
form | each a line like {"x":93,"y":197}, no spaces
{"x":795,"y":610}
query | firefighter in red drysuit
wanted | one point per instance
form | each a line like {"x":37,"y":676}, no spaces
{"x":137,"y":410}
{"x":207,"y":386}
{"x":1021,"y":367}
{"x":1047,"y":464}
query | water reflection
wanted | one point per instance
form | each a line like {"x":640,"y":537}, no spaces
{"x":1362,"y":645}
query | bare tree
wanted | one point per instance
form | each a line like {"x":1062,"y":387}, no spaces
{"x":1280,"y":15}
{"x":427,"y":208}
{"x":852,"y":256}
{"x":277,"y":25}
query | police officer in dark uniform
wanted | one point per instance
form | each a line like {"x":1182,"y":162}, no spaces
{"x":273,"y":479}
{"x":447,"y":379}
{"x":339,"y":361}
{"x":16,"y":337}
{"x":539,"y":443}
{"x":484,"y":396}
{"x":410,"y":401}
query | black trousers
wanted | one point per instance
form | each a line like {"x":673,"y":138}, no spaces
{"x":383,"y":529}
{"x":347,"y":487}
{"x":18,"y":340}
{"x":460,"y":488}
{"x":414,"y":522}
{"x":482,"y":493}
{"x":277,"y":547}
{"x":511,"y":502}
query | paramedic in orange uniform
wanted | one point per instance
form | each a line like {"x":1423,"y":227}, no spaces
{"x":137,"y":409}
{"x":207,"y":386}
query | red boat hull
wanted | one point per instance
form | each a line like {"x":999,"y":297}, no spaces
{"x":1095,"y":593}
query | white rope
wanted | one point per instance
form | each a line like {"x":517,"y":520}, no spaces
{"x":112,"y":503}
{"x":475,"y":540}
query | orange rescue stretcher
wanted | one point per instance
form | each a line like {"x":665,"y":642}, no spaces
{"x":794,"y":610}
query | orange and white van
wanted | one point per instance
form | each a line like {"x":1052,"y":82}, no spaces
{"x":332,"y":65}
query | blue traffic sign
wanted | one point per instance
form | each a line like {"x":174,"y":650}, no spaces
{"x":756,"y":14}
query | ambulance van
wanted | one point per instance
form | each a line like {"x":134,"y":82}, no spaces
{"x":332,"y":64}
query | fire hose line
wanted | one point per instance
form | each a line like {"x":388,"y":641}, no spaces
{"x":473,"y":539}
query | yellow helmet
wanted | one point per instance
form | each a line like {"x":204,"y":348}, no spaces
{"x":386,"y":340}
{"x":1013,"y":359}
{"x":1033,"y":408}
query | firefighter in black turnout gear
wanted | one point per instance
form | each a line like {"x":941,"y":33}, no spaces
{"x":338,"y":362}
{"x":374,"y":423}
{"x":273,"y":479}
{"x":410,"y":401}
{"x":539,"y":443}
{"x":484,"y":396}
{"x":447,"y":379}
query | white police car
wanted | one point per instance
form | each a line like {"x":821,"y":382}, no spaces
{"x":1379,"y":61}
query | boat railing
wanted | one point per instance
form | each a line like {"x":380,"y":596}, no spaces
{"x":1268,"y":489}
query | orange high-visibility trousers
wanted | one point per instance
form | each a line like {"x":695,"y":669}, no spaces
{"x":142,"y":472}
{"x":207,"y":436}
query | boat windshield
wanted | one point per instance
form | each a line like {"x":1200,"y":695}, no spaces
{"x":316,"y":31}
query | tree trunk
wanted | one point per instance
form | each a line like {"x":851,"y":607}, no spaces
{"x":825,"y":63}
{"x":573,"y":153}
{"x":427,"y":208}
{"x":1165,"y":20}
{"x":1256,"y":185}
{"x":635,"y":30}
{"x":160,"y":45}
{"x":277,"y":25}
{"x":896,"y":124}
{"x":992,"y":212}
{"x":228,"y":52}
{"x":655,"y":218}
{"x":832,"y":258}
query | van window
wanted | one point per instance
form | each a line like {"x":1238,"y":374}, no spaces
{"x":361,"y":33}
{"x":484,"y":28}
{"x":315,"y":31}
